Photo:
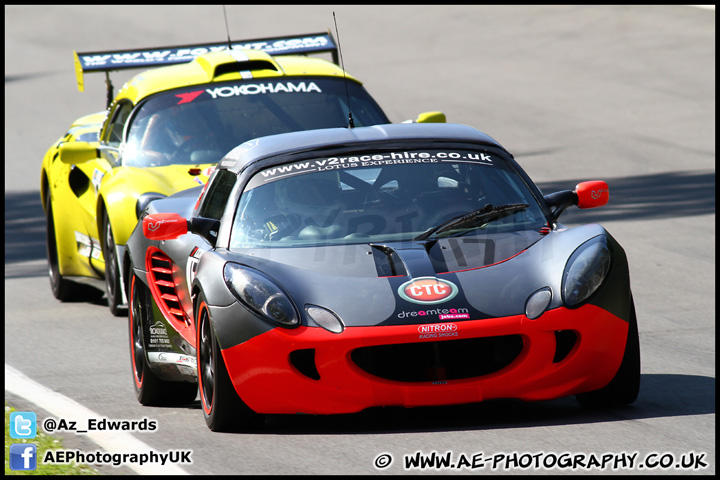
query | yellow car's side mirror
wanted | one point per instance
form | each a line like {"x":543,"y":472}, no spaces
{"x":431,"y":117}
{"x":72,"y":153}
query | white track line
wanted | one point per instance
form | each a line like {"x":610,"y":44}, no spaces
{"x":62,"y":407}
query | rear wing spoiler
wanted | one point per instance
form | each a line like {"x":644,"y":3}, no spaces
{"x":107,"y":61}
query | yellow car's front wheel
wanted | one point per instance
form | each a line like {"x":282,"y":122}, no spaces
{"x":113,"y":282}
{"x":61,"y":288}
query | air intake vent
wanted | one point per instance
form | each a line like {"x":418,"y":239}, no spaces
{"x":387,"y":262}
{"x":304,"y":361}
{"x":161,"y":282}
{"x":564,"y":342}
{"x":78,"y":181}
{"x":252,"y":65}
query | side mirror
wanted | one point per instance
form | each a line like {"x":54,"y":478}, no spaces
{"x":72,"y":153}
{"x":431,"y":117}
{"x":591,"y":194}
{"x":169,"y":226}
{"x":428,"y":117}
{"x":164,"y":226}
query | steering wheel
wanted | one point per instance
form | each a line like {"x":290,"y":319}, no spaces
{"x":280,"y":226}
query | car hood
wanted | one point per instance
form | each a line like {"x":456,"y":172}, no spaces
{"x":490,"y":277}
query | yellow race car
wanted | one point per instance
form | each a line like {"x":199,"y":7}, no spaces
{"x":167,"y":128}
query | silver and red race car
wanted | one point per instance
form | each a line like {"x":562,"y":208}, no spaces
{"x":335,"y":270}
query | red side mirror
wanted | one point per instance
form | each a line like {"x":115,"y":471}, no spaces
{"x":592,"y":194}
{"x":164,"y":226}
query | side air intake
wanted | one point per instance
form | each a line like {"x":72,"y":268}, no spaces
{"x":160,"y":278}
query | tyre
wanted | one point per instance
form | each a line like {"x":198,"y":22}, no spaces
{"x":623,"y":389}
{"x":223,"y":409}
{"x":149,"y":389}
{"x":62,"y":289}
{"x":113,"y":284}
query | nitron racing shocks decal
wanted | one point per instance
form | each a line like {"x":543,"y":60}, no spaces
{"x":438,"y":330}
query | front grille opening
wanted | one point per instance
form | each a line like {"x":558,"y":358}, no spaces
{"x":304,"y":361}
{"x":438,"y":361}
{"x":564,"y":342}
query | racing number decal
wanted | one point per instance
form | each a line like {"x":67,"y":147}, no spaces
{"x":192,"y":265}
{"x":97,"y":179}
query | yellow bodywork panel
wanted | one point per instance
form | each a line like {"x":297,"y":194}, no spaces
{"x":203,"y":68}
{"x":83,"y":186}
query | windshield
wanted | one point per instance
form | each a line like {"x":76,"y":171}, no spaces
{"x":200,"y":124}
{"x":384,"y":196}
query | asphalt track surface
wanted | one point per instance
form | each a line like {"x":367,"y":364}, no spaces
{"x":620,"y":93}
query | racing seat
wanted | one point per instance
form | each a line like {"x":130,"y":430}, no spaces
{"x":315,"y":199}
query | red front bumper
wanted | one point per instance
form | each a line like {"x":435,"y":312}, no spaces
{"x":265,"y":378}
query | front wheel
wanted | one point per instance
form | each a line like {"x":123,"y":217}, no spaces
{"x":149,"y":389}
{"x":623,"y":389}
{"x":61,"y":288}
{"x":113,"y":284}
{"x":223,"y":409}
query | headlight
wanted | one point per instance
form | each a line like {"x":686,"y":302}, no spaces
{"x":144,"y":200}
{"x":585,"y":271}
{"x":260,"y":294}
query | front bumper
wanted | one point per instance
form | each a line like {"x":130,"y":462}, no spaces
{"x":310,"y":370}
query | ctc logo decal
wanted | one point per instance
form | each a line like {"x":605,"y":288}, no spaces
{"x":427,"y":290}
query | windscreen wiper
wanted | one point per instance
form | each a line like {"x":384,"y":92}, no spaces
{"x":484,"y":213}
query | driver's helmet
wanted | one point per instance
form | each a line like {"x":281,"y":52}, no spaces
{"x":309,"y":194}
{"x":183,"y":124}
